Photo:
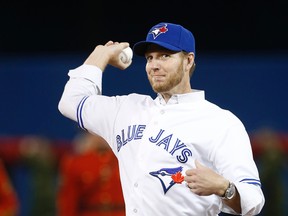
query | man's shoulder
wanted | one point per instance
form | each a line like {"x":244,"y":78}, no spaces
{"x":139,"y":97}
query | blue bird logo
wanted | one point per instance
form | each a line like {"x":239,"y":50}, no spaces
{"x":168,"y":177}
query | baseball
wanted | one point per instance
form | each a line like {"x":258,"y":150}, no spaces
{"x":126,"y":55}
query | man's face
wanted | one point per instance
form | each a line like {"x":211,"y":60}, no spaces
{"x":164,"y":70}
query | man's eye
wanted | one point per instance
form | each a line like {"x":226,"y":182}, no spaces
{"x":148,"y":58}
{"x":164,"y":56}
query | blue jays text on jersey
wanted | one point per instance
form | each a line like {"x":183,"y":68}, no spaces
{"x":169,"y":143}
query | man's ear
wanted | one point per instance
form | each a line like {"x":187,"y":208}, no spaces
{"x":191,"y":63}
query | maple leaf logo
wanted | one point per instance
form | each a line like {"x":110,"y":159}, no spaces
{"x":178,"y":178}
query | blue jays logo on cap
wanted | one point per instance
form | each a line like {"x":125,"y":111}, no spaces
{"x":171,"y":36}
{"x":157,"y":31}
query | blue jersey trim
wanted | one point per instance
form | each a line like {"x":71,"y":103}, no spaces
{"x":251,"y":181}
{"x":79,"y":112}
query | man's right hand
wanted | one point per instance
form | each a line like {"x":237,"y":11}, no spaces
{"x":106,"y":54}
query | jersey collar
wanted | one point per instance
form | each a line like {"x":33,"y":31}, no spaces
{"x":195,"y":95}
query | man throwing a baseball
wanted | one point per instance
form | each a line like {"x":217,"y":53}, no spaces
{"x":178,"y":153}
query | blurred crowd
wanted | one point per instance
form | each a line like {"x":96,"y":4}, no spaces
{"x":63,"y":178}
{"x":40,"y":176}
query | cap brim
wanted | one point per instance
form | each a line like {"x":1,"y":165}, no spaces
{"x":141,"y":47}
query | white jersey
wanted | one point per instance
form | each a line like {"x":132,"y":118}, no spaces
{"x":156,"y":143}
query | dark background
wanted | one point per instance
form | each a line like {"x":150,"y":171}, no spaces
{"x":57,"y":26}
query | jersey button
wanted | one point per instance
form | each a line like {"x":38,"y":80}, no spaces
{"x":135,"y":210}
{"x":162,"y":111}
{"x":136,"y":185}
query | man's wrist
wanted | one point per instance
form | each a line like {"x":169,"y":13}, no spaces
{"x":229,"y":192}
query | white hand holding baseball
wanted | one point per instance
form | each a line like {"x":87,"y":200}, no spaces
{"x":126,"y":55}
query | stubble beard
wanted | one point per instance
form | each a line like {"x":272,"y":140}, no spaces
{"x":168,"y":84}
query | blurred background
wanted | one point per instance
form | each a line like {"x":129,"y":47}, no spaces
{"x":242,"y":64}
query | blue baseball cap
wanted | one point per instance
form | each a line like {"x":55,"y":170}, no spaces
{"x":168,"y":35}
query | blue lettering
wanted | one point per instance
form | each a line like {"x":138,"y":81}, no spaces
{"x":177,"y":146}
{"x":165,"y":141}
{"x":157,"y":137}
{"x":135,"y":132}
{"x":131,"y":134}
{"x":123,"y":137}
{"x":119,"y":143}
{"x":139,"y":131}
{"x":185,"y":153}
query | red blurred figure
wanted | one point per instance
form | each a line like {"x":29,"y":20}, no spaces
{"x":9,"y":204}
{"x":89,"y":180}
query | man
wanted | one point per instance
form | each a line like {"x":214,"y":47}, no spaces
{"x":178,"y":154}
